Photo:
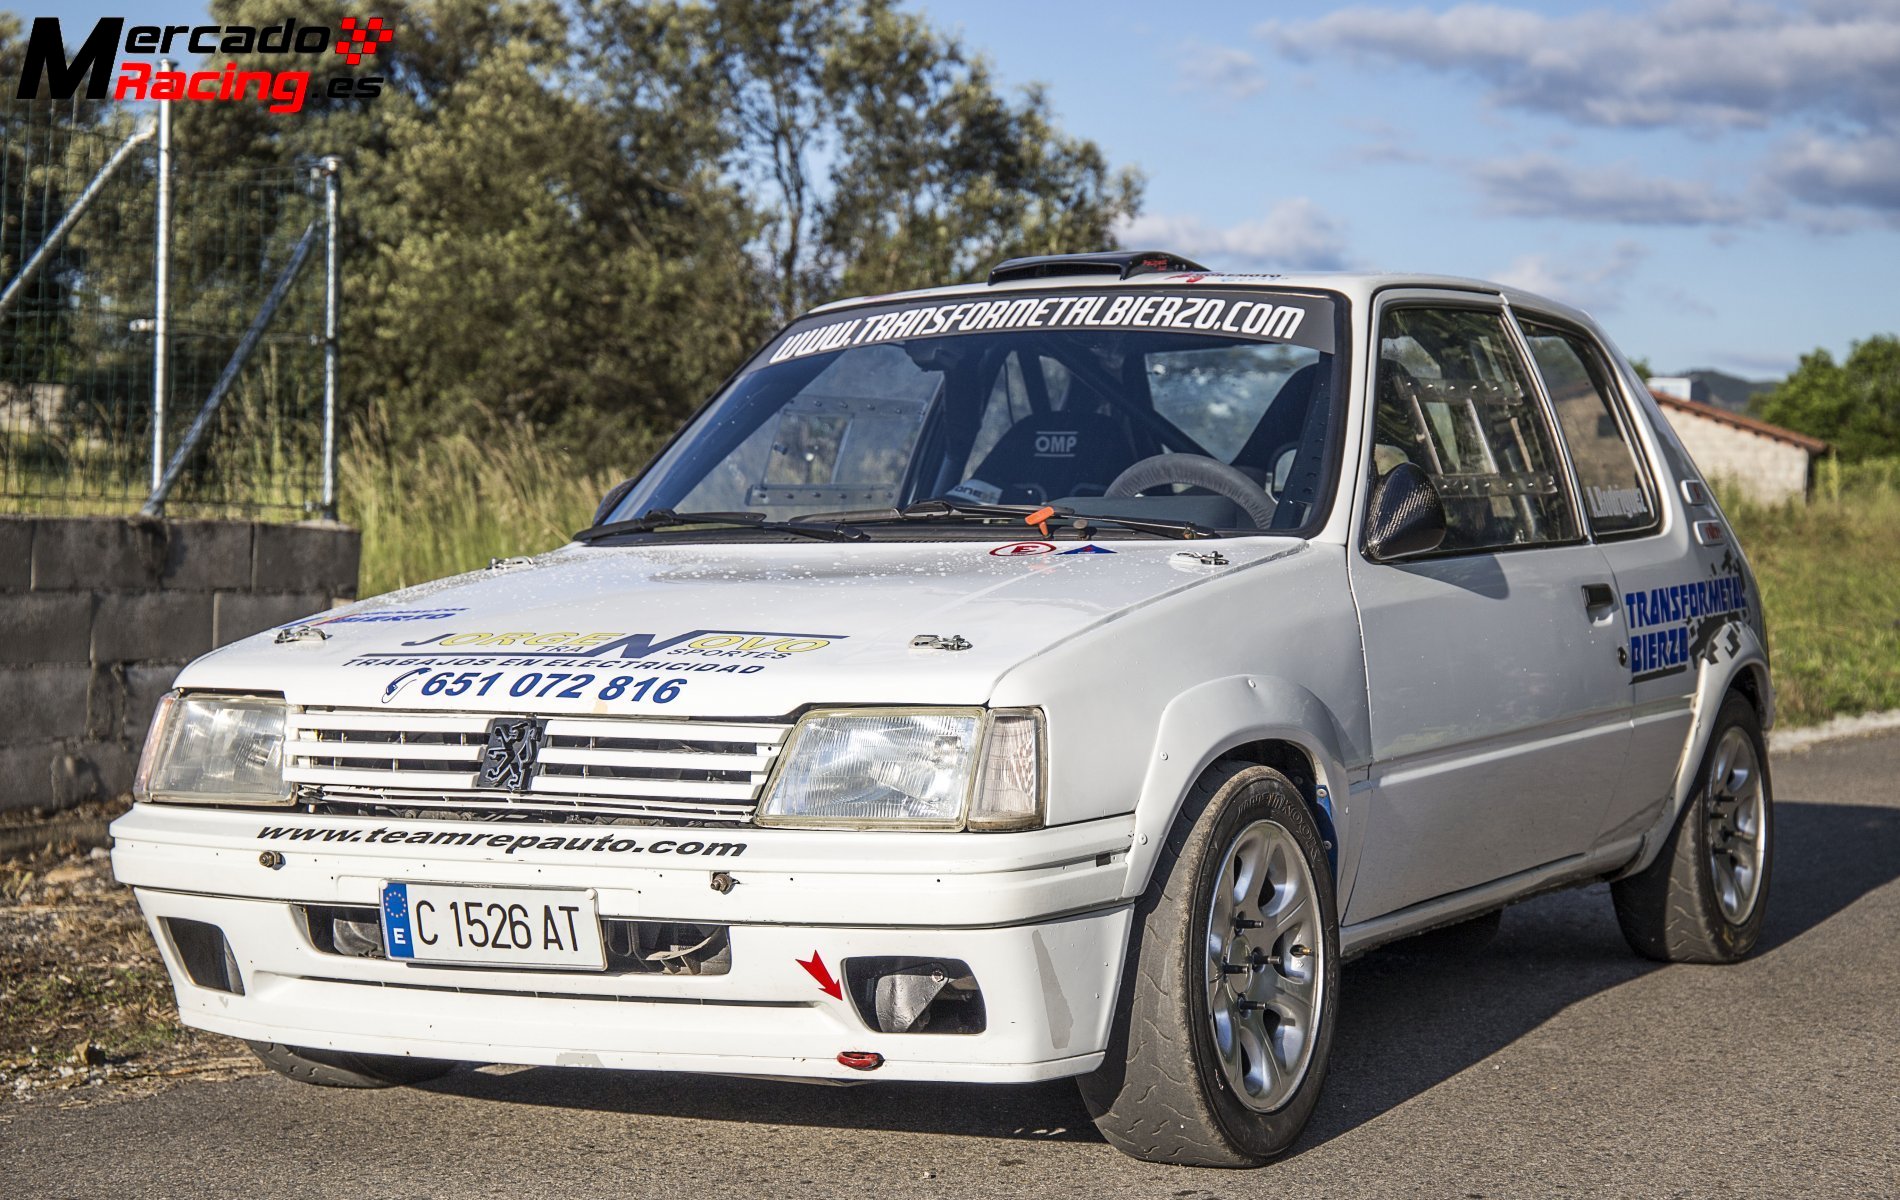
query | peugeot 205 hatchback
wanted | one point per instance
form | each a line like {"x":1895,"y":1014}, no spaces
{"x":1053,"y":677}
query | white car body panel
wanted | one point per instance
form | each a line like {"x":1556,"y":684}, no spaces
{"x":1148,"y":664}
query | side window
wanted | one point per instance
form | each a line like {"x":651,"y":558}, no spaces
{"x":1616,"y":493}
{"x":1453,"y":397}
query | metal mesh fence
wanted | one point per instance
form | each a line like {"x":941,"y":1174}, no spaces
{"x":77,"y":345}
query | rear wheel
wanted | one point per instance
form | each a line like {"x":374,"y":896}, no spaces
{"x":1225,"y":1021}
{"x":1704,"y":897}
{"x":335,"y":1068}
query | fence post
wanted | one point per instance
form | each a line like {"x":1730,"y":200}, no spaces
{"x":332,"y":169}
{"x":25,"y":275}
{"x":155,"y":503}
{"x":161,"y":286}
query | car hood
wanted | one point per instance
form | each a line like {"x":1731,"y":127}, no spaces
{"x":751,"y":629}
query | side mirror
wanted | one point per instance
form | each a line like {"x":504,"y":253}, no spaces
{"x":612,"y":500}
{"x":1407,"y":517}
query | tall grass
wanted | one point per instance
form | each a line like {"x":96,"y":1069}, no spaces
{"x":1829,"y":570}
{"x":1830,"y":578}
{"x":453,"y":504}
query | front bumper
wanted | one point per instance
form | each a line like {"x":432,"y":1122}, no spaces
{"x":1037,"y":916}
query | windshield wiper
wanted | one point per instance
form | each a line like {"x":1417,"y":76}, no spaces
{"x":957,"y":510}
{"x":666,"y":518}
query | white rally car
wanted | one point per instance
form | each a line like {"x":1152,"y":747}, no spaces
{"x":1053,"y":677}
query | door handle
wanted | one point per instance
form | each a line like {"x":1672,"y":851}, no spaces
{"x":1598,"y":596}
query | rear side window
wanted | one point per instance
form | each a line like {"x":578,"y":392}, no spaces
{"x":1616,"y":492}
{"x":1455,"y":399}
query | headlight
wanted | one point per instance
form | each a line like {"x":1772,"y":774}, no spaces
{"x":910,"y":769}
{"x":214,"y":750}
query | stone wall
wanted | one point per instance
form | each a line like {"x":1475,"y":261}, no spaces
{"x":97,"y":616}
{"x":1767,"y":469}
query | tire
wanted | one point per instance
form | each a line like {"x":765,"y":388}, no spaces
{"x":1703,"y":899}
{"x":337,"y":1069}
{"x":1166,"y":1092}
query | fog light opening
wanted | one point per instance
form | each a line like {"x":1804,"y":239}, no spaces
{"x":916,"y":995}
{"x":205,"y":955}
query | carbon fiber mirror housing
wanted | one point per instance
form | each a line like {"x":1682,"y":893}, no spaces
{"x":1407,"y":517}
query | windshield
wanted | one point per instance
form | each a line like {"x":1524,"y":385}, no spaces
{"x":1216,"y":407}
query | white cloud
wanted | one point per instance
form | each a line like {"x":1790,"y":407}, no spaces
{"x":1693,"y":62}
{"x":1834,"y":173}
{"x":1538,"y":185}
{"x":1229,"y":72}
{"x":1828,"y":70}
{"x":1295,"y":235}
{"x":1594,"y":282}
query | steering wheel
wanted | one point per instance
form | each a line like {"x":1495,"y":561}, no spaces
{"x":1196,"y":470}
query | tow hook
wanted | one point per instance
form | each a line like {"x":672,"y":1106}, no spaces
{"x":933,"y":641}
{"x":1208,"y":558}
{"x":860,"y":1060}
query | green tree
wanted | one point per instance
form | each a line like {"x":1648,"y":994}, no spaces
{"x":1854,"y":405}
{"x":878,"y":153}
{"x":582,"y":214}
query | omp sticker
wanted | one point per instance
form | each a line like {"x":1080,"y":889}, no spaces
{"x":1057,"y":443}
{"x":1022,"y":550}
{"x":1091,"y":548}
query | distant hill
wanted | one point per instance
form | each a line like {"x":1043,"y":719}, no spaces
{"x":1730,"y":391}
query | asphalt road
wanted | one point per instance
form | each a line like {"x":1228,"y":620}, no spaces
{"x":1553,"y":1063}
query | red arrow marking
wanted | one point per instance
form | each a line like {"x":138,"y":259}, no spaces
{"x":815,"y":967}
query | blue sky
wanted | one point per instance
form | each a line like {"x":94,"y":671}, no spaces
{"x":1718,"y":181}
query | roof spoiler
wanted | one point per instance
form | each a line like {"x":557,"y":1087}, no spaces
{"x":1119,"y":263}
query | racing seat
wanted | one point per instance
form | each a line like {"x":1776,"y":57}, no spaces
{"x":1046,"y":455}
{"x":1282,"y":425}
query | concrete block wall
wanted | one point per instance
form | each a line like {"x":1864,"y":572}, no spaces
{"x":98,"y":614}
{"x":1766,"y":469}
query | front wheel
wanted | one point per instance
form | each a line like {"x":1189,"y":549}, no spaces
{"x":1225,"y":1021}
{"x":1703,"y":899}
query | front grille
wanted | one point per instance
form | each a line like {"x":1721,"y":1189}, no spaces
{"x":600,"y":767}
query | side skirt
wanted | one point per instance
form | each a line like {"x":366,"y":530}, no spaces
{"x":1356,"y":939}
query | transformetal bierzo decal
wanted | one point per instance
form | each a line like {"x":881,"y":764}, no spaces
{"x":1671,"y":627}
{"x":1258,"y":316}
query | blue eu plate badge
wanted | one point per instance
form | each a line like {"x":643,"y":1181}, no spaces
{"x":397,"y":940}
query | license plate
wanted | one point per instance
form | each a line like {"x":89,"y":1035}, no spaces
{"x":492,"y":926}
